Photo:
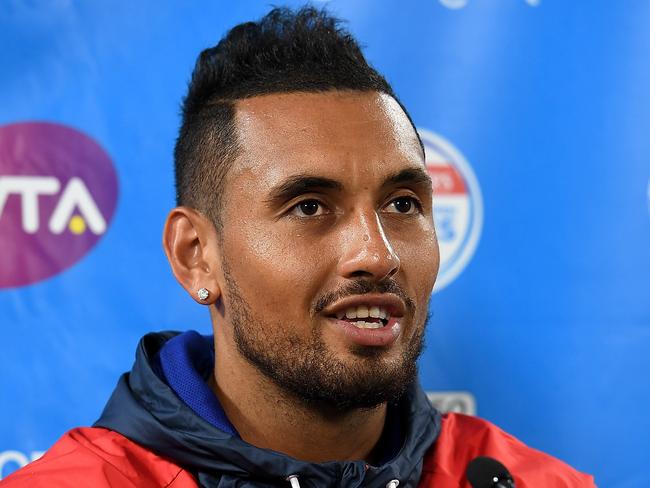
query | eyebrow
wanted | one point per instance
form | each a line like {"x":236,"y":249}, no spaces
{"x":413,"y":176}
{"x":299,"y":184}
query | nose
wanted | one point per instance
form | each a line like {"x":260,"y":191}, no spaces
{"x":367,"y":252}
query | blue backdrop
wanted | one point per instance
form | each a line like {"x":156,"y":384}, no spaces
{"x":536,"y":116}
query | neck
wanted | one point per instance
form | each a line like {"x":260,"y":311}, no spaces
{"x":269,"y":418}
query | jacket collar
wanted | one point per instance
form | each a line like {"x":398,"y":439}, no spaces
{"x":145,"y":409}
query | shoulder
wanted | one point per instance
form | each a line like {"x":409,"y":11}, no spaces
{"x":463,"y":438}
{"x":99,"y":458}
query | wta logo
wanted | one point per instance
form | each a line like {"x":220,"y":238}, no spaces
{"x":457,"y":204}
{"x":58,"y":192}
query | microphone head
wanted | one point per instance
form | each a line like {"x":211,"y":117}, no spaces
{"x":486,"y":472}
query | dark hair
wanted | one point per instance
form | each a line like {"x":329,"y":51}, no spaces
{"x":286,"y":51}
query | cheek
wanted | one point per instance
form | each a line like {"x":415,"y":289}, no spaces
{"x":276,"y":270}
{"x":419,"y":262}
{"x":419,"y":258}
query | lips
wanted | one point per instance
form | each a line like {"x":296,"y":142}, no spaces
{"x":365,"y":316}
{"x":368,"y":320}
{"x":391,"y":304}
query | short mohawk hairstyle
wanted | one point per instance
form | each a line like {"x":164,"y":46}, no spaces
{"x":286,"y":51}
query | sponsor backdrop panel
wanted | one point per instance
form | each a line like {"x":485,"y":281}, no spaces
{"x":534,"y":115}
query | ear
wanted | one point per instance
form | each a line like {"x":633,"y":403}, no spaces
{"x":192,"y":249}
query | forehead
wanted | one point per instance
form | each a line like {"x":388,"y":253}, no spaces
{"x":331,"y":133}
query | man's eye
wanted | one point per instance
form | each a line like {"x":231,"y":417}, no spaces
{"x":403,"y":205}
{"x":308,"y":208}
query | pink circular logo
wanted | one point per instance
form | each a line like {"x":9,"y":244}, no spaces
{"x":457,"y":203}
{"x":58,"y":192}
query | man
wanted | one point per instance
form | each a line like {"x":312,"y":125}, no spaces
{"x":305,"y":225}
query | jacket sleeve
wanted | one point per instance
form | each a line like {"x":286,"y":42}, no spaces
{"x":99,"y":458}
{"x":463,"y":438}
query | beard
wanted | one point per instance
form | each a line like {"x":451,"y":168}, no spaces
{"x":305,"y":369}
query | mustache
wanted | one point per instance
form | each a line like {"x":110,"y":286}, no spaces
{"x":362,"y":287}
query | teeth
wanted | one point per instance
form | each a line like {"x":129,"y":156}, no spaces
{"x":367,"y":325}
{"x":362,"y":312}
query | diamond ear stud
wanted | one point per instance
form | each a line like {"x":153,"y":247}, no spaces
{"x":203,"y":294}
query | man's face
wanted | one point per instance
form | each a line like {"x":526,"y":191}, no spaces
{"x":327,"y":219}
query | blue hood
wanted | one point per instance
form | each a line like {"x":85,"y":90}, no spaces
{"x":146,"y":410}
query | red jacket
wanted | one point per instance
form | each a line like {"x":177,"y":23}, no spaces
{"x":100,"y":458}
{"x":150,"y":434}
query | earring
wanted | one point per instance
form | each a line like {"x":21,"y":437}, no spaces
{"x":203,"y":294}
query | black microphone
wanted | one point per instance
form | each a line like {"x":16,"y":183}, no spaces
{"x":485,"y":472}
